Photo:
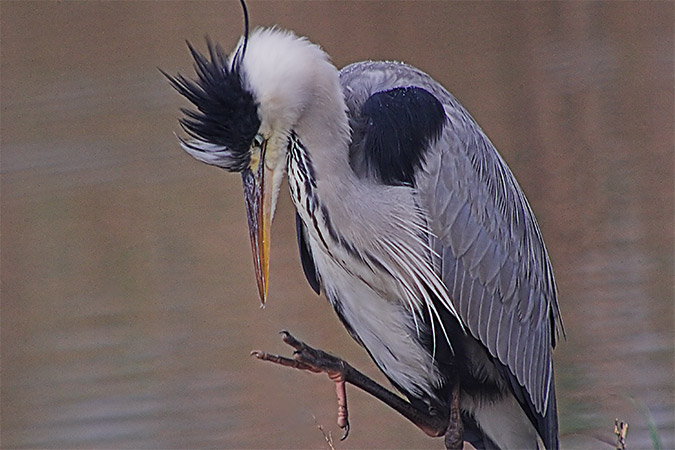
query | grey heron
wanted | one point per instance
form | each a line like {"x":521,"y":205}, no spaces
{"x":408,"y":221}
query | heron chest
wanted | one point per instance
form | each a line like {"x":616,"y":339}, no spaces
{"x":364,"y":299}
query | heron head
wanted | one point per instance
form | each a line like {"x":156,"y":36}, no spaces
{"x":247,"y":106}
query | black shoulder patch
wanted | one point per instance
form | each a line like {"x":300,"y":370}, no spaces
{"x":226,"y":113}
{"x":397,"y":127}
{"x":306,"y":258}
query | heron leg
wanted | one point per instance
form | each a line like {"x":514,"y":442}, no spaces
{"x":338,"y":370}
{"x":454,"y":435}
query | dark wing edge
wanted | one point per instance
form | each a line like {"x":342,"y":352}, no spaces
{"x":494,"y":261}
{"x":306,"y":259}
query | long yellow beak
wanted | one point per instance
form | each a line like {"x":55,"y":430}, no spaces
{"x":258,"y":196}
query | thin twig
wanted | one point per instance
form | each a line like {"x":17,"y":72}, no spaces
{"x":326,"y":436}
{"x":620,"y":430}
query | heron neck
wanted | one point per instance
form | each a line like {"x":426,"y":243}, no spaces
{"x":323,"y":159}
{"x":324,"y":129}
{"x":327,"y":193}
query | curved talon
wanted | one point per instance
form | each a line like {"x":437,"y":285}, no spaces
{"x":346,"y":428}
{"x":289,"y":339}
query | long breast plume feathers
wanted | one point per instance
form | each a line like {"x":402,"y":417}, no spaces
{"x":417,"y":276}
{"x":226,"y":116}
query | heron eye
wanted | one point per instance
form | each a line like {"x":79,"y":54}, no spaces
{"x":258,"y":141}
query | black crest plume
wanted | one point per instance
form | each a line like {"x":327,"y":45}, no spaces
{"x":226,"y":115}
{"x":242,"y":50}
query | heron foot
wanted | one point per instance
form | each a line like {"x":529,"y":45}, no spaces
{"x":317,"y":361}
{"x":307,"y":358}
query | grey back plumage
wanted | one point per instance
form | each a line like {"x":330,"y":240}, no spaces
{"x":493,"y":259}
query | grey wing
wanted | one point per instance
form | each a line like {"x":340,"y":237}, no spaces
{"x":493,"y":259}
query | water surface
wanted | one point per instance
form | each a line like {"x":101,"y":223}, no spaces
{"x":129,"y":305}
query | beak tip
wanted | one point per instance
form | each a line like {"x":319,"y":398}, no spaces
{"x":262,"y":289}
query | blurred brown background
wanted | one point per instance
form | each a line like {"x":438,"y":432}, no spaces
{"x":129,"y":303}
